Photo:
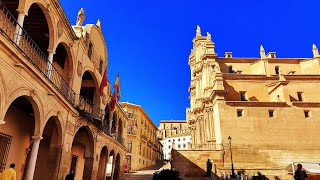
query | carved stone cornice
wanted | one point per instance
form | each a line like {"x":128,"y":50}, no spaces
{"x":306,"y":104}
{"x":256,"y":104}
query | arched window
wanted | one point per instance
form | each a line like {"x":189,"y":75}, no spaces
{"x":100,"y":66}
{"x":230,"y":69}
{"x":276,"y":69}
{"x":90,"y":50}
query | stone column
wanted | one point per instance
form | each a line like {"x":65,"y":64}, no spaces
{"x":110,"y":122}
{"x":113,"y":166}
{"x":88,"y":168}
{"x":33,"y":157}
{"x":49,"y":65}
{"x":19,"y":25}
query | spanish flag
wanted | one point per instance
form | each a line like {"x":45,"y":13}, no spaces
{"x":104,"y":83}
{"x":117,"y":86}
{"x":113,"y":101}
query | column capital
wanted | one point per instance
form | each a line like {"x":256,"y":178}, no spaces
{"x":37,"y":137}
{"x":51,"y":51}
{"x":22,"y":12}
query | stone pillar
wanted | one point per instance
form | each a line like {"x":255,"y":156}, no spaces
{"x":19,"y":25}
{"x":33,"y":157}
{"x":49,"y":65}
{"x":88,"y":167}
{"x":110,"y":122}
{"x":113,"y":166}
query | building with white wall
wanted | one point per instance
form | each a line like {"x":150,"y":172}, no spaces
{"x":181,"y":142}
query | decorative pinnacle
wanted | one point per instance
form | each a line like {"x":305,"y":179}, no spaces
{"x":315,"y":51}
{"x":98,"y":23}
{"x":314,"y":46}
{"x":262,"y":53}
{"x":198,"y":31}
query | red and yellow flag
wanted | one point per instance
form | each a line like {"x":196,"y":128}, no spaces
{"x":103,"y":83}
{"x":117,"y":86}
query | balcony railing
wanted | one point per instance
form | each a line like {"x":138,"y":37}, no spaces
{"x":118,"y":138}
{"x":20,"y":38}
{"x":144,"y":138}
{"x":207,"y":146}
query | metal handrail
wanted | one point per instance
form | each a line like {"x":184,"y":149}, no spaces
{"x":20,"y":38}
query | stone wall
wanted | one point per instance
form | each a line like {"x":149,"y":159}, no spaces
{"x":192,"y":164}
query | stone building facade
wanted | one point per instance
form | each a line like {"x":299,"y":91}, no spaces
{"x":143,"y":148}
{"x":52,"y":117}
{"x":169,"y":128}
{"x":178,"y":142}
{"x":265,"y":108}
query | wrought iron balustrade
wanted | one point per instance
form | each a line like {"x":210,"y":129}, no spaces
{"x":205,"y":146}
{"x":10,"y":28}
{"x":106,"y":129}
{"x":118,"y":138}
{"x":144,"y":137}
{"x":20,"y":39}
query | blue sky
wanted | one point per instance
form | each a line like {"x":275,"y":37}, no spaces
{"x":149,"y":41}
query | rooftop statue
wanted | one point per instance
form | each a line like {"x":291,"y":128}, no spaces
{"x":208,"y":37}
{"x":198,"y":31}
{"x":81,"y":17}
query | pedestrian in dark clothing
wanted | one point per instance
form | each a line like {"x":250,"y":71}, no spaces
{"x":209,"y":168}
{"x":70,"y":176}
{"x":300,"y":174}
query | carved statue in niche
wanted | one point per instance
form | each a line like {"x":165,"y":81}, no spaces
{"x":81,"y":17}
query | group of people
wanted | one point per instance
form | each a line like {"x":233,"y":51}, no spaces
{"x":10,"y":174}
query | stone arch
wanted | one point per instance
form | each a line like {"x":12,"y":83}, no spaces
{"x":59,"y":122}
{"x":45,"y":7}
{"x":91,"y":70}
{"x":90,"y":93}
{"x":71,"y":60}
{"x":82,"y":153}
{"x":35,"y":102}
{"x":50,"y":148}
{"x":97,"y":29}
{"x":103,"y":160}
{"x":117,"y":164}
{"x":2,"y":97}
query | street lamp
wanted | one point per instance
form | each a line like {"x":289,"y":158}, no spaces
{"x":232,"y":169}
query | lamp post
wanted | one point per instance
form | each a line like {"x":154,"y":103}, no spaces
{"x":232,"y":169}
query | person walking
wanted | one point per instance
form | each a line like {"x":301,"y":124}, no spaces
{"x":9,"y":174}
{"x":209,"y":168}
{"x":70,"y":176}
{"x":300,"y":174}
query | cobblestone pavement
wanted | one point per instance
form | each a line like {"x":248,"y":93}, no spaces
{"x":145,"y":174}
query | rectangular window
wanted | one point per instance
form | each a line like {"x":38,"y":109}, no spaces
{"x":239,"y":112}
{"x":306,"y":113}
{"x":271,"y":113}
{"x":5,"y":142}
{"x":299,"y":96}
{"x":130,"y":147}
{"x":243,"y":96}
